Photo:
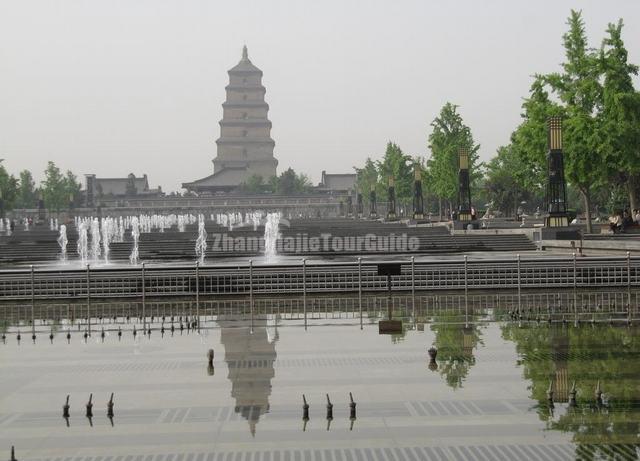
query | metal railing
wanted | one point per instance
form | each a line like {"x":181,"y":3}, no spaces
{"x":592,"y":306}
{"x":309,"y":277}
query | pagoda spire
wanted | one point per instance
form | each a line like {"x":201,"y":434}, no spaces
{"x":245,"y":53}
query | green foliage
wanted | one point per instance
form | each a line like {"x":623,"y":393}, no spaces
{"x":8,"y":188}
{"x":529,"y":140}
{"x":587,"y":355}
{"x":366,"y":177}
{"x":290,"y":183}
{"x":73,"y":187}
{"x":26,"y":191}
{"x":398,"y":165}
{"x":253,"y":185}
{"x":600,"y":109}
{"x":448,"y":136}
{"x":579,"y":88}
{"x":394,"y":163}
{"x":506,"y":184}
{"x":58,"y":189}
{"x":620,"y":118}
{"x":455,"y":344}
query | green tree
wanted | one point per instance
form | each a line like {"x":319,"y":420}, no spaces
{"x":253,"y":185}
{"x":290,"y":183}
{"x":448,"y":136}
{"x":505,"y":182}
{"x":26,"y":190}
{"x":366,"y":177}
{"x":54,"y":188}
{"x":398,"y":165}
{"x":620,"y":113}
{"x":529,"y":140}
{"x":563,"y":355}
{"x":8,"y":189}
{"x":72,"y":187}
{"x":455,"y":343}
{"x":579,"y":89}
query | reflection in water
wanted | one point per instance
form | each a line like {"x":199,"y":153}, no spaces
{"x":609,"y":354}
{"x":250,"y":357}
{"x":455,"y":343}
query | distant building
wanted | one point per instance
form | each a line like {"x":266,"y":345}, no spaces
{"x":337,"y":183}
{"x":118,"y":188}
{"x":245,"y":147}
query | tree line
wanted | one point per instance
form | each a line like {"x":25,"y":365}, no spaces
{"x":287,"y":183}
{"x":57,"y":190}
{"x":594,"y":95}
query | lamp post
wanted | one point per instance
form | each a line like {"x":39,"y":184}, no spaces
{"x":391,"y":211}
{"x":556,"y":186}
{"x":1,"y":198}
{"x":373,"y":205}
{"x":41,"y":209}
{"x":464,"y":189}
{"x":359,"y":205}
{"x":418,"y":200}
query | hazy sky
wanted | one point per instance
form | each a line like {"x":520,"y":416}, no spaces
{"x":118,"y":86}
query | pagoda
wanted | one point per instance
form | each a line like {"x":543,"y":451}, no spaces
{"x":245,"y":147}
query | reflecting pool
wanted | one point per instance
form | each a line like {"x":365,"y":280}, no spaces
{"x":495,"y":391}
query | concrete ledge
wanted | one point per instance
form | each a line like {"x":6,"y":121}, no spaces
{"x":593,"y":247}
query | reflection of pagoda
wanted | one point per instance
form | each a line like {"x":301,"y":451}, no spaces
{"x":249,"y":357}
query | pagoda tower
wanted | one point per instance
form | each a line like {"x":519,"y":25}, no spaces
{"x":245,"y":147}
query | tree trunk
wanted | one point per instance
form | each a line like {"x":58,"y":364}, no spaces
{"x":586,"y":195}
{"x":439,"y":208}
{"x":633,"y":182}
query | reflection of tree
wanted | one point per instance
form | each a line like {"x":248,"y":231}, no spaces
{"x":250,"y":358}
{"x":610,"y":354}
{"x":455,"y":344}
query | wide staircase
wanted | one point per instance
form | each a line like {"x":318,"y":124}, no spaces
{"x":39,"y":243}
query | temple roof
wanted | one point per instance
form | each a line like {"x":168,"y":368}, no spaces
{"x":245,"y":64}
{"x":338,"y":181}
{"x":230,"y":176}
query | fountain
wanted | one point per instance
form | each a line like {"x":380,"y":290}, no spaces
{"x":83,"y":242}
{"x":62,"y":241}
{"x":256,"y":219}
{"x":201,"y":242}
{"x":271,"y":234}
{"x":135,"y":235}
{"x":95,"y":239}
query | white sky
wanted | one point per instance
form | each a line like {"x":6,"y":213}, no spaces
{"x":118,"y":86}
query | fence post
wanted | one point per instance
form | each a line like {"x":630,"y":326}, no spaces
{"x":519,"y":288}
{"x":251,"y":291}
{"x":198,"y":293}
{"x":413,"y":289}
{"x":360,"y":289}
{"x":88,"y":300}
{"x":466,"y":294}
{"x":304,"y":291}
{"x":144,"y":301}
{"x":629,"y":284}
{"x":33,"y":302}
{"x":575,"y":287}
